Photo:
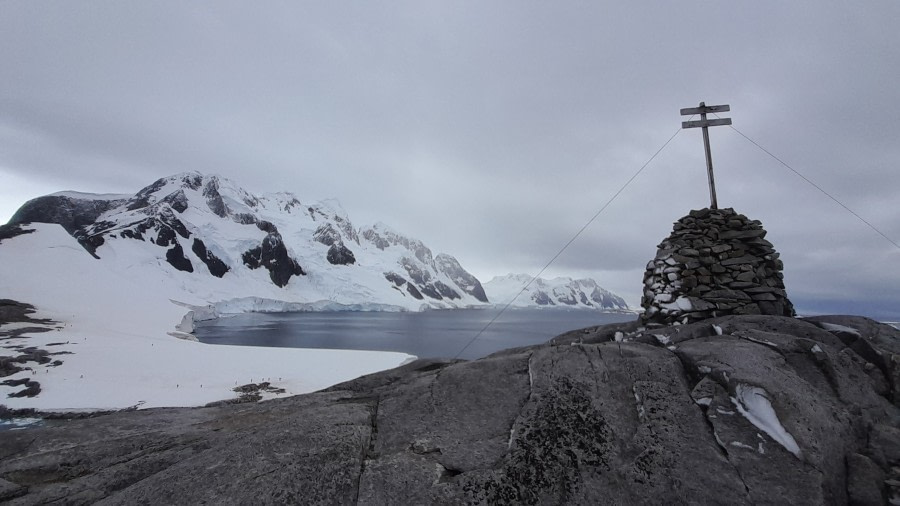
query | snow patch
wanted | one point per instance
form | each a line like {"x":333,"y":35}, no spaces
{"x":753,"y":402}
{"x":833,"y":327}
{"x":637,"y":400}
{"x":116,"y":323}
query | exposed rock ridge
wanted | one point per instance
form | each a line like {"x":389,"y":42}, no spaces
{"x":520,"y":290}
{"x":734,"y":410}
{"x":716,"y":262}
{"x":209,"y":226}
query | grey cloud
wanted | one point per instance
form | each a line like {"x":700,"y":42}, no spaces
{"x":492,"y":131}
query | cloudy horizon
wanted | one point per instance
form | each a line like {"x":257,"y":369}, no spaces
{"x":492,"y":132}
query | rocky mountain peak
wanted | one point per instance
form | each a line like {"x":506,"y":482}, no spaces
{"x":202,"y":228}
{"x":559,"y":292}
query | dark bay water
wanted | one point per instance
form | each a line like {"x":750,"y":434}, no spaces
{"x":428,"y":334}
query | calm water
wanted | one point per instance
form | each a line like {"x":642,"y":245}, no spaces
{"x":427,"y":334}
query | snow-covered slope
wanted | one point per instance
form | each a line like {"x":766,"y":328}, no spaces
{"x":558,"y":292}
{"x":208,"y":240}
{"x":111,"y":334}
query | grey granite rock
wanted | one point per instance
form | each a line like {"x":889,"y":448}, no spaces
{"x":732,"y":410}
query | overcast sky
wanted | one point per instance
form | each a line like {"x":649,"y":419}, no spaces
{"x":490,"y":130}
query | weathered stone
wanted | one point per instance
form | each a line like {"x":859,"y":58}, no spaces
{"x":745,"y":276}
{"x":606,"y":415}
{"x":746,"y":259}
{"x":727,"y":245}
{"x":865,"y":481}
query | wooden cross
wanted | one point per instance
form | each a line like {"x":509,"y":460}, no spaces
{"x":704,"y":123}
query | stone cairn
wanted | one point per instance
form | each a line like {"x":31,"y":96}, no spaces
{"x":716,"y":262}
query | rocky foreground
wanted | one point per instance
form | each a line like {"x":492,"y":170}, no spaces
{"x":732,"y":410}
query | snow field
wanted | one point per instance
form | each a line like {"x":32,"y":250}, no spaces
{"x":115,"y":324}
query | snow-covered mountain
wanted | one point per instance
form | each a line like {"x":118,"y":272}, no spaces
{"x":557,"y":292}
{"x":207,"y":239}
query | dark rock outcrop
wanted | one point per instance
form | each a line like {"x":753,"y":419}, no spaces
{"x":273,"y":255}
{"x":418,"y":275}
{"x":70,"y":213}
{"x":175,"y":256}
{"x":383,"y":237}
{"x":327,"y":235}
{"x":412,"y":290}
{"x":214,"y":198}
{"x":607,"y":300}
{"x":395,"y":278}
{"x":215,"y":264}
{"x":446,"y":291}
{"x":733,"y":410}
{"x":429,"y":290}
{"x":449,"y":266}
{"x":9,"y":231}
{"x":338,"y":254}
{"x":716,"y":262}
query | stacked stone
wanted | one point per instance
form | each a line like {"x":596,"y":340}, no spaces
{"x":716,"y":262}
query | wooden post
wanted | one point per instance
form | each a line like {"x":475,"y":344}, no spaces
{"x":704,"y":123}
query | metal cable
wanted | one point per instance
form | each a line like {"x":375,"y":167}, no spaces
{"x":814,"y":185}
{"x":561,"y":250}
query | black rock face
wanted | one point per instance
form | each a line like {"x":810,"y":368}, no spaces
{"x":429,"y":290}
{"x":177,"y":200}
{"x":10,"y":231}
{"x":267,"y":226}
{"x":215,"y":264}
{"x":273,"y":255}
{"x":214,"y":199}
{"x":72,"y":214}
{"x":338,"y":254}
{"x":411,"y":288}
{"x":175,"y":256}
{"x":165,"y":237}
{"x":446,"y":291}
{"x":394,"y":278}
{"x":142,"y":198}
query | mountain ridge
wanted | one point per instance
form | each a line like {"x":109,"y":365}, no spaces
{"x":520,"y":290}
{"x":216,"y":241}
{"x":207,"y":226}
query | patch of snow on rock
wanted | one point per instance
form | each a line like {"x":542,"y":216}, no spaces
{"x":834,"y":327}
{"x":753,"y":402}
